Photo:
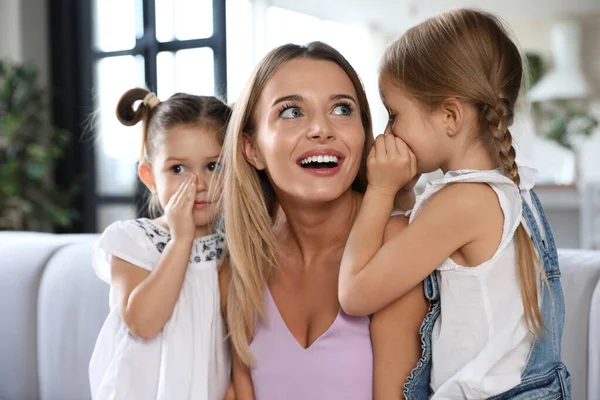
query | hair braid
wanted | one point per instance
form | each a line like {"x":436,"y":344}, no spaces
{"x":499,"y":118}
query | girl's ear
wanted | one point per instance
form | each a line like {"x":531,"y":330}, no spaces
{"x":252,"y":153}
{"x":453,"y":113}
{"x":146,"y":176}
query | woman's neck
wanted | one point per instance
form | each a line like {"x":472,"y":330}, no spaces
{"x":315,"y":228}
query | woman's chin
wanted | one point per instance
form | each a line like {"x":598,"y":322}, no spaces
{"x":316,"y":194}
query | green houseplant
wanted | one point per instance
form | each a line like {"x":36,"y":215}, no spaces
{"x":29,"y":150}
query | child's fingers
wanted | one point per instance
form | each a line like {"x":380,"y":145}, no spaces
{"x":388,"y":129}
{"x":190,"y":195}
{"x":380,"y":146}
{"x":390,"y":145}
{"x":181,"y":190}
{"x":401,"y":147}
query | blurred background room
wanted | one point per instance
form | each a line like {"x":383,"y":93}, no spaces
{"x":87,"y":52}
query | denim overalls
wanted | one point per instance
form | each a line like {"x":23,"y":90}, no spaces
{"x":544,"y":377}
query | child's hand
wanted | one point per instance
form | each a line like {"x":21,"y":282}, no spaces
{"x":391,"y":165}
{"x":179,"y":210}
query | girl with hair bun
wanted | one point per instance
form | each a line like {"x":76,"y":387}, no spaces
{"x":164,"y":337}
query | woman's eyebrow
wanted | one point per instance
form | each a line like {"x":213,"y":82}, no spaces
{"x":291,"y":97}
{"x":343,"y":97}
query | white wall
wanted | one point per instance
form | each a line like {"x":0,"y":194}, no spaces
{"x":24,"y":34}
{"x":10,"y":35}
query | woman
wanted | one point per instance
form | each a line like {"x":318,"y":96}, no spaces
{"x":295,"y":170}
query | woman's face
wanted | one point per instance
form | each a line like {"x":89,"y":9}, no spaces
{"x":309,"y":135}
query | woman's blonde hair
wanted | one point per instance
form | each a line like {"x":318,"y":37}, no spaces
{"x":468,"y":54}
{"x":249,"y":202}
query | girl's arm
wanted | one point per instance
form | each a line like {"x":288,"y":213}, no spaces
{"x":406,"y":198}
{"x":242,"y":381}
{"x":146,"y":299}
{"x":373,"y":275}
{"x":395,"y":335}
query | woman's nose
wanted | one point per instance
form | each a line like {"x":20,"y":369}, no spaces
{"x":321,"y":129}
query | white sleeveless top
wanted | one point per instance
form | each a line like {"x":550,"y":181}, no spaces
{"x":189,"y":359}
{"x":480,"y":342}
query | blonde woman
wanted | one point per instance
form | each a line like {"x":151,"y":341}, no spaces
{"x":294,"y":174}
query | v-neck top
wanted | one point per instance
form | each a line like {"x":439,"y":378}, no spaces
{"x":337,"y":365}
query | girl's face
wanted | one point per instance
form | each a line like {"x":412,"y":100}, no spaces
{"x":309,"y":134}
{"x":416,"y":126}
{"x":187,"y":150}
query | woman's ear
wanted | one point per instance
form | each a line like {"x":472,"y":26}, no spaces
{"x":252,"y":153}
{"x":453,"y":113}
{"x":146,"y":176}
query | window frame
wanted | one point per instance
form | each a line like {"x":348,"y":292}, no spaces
{"x":73,"y":60}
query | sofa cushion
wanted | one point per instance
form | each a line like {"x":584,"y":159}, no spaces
{"x":73,"y":304}
{"x":594,"y":347}
{"x":23,"y":257}
{"x":580,"y":282}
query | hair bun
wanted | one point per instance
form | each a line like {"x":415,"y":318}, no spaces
{"x":126,"y":113}
{"x":151,"y":100}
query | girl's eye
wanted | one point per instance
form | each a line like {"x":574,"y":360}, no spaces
{"x":343,"y":109}
{"x":290,"y":112}
{"x":213,"y":166}
{"x":178,"y":169}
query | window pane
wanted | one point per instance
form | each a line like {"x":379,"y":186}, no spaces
{"x":239,"y":46}
{"x":107,"y":214}
{"x":183,"y":19}
{"x":186,"y":71}
{"x":115,"y":26}
{"x":118,"y":146}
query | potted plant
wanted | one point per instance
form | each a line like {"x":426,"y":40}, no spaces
{"x":566,"y":122}
{"x":29,"y":150}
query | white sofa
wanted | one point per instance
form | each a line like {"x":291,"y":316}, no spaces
{"x":52,"y":307}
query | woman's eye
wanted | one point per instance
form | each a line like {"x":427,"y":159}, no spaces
{"x":342,"y":109}
{"x":291,"y":112}
{"x":178,"y":169}
{"x":213,"y":166}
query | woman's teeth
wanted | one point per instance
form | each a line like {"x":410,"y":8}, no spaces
{"x":319,"y":159}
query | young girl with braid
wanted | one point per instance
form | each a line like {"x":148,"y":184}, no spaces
{"x":450,"y":85}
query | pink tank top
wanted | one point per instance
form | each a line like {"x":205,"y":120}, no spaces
{"x":338,"y":365}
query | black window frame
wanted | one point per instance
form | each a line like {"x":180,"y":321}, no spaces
{"x":72,"y":78}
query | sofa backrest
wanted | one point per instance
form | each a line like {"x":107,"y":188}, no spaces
{"x":52,"y":307}
{"x":581,"y":335}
